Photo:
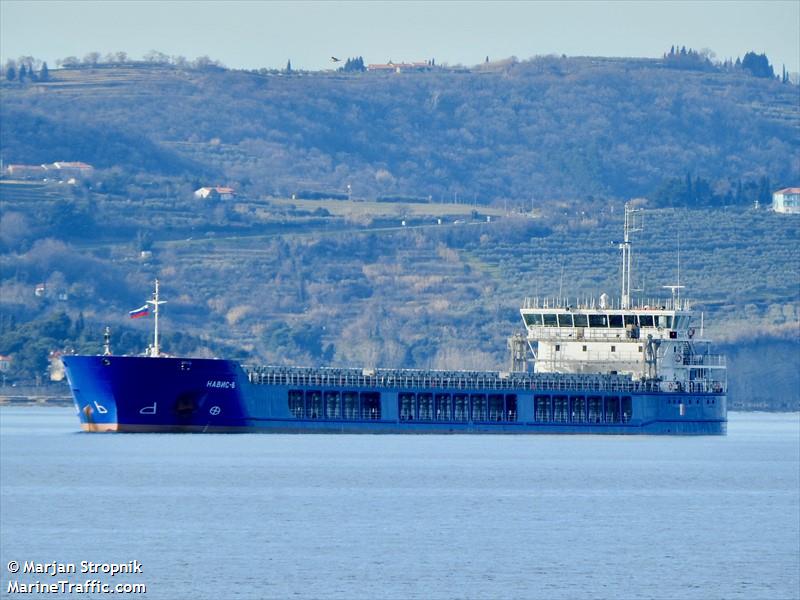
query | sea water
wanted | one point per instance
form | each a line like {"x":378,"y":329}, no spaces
{"x":384,"y":516}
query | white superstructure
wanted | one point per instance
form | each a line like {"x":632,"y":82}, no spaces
{"x":653,"y":340}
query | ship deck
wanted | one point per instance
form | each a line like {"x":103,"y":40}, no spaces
{"x":466,"y":380}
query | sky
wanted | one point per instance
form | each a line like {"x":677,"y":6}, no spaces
{"x":254,"y":34}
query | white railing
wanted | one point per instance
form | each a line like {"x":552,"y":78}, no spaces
{"x":456,"y":380}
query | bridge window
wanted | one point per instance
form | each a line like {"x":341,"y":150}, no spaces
{"x":584,"y":348}
{"x":407,"y":404}
{"x":615,"y":321}
{"x":630,"y":320}
{"x":541,"y":408}
{"x":646,"y":320}
{"x":533,"y":320}
{"x":581,"y":320}
{"x":511,"y":407}
{"x":664,"y":321}
{"x":479,"y":408}
{"x":565,"y":320}
{"x":425,"y":402}
{"x":371,"y":406}
{"x":627,"y":409}
{"x":595,"y":409}
{"x":296,"y":407}
{"x":313,"y":404}
{"x":550,"y":320}
{"x":598,"y":321}
{"x":560,"y":409}
{"x":612,"y":409}
{"x":350,"y":404}
{"x":443,"y":410}
{"x":461,"y":407}
{"x":577,"y":409}
{"x":333,"y":409}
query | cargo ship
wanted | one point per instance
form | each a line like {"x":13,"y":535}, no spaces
{"x":592,"y":367}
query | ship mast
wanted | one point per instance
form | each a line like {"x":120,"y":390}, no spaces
{"x":630,"y":227}
{"x":154,"y":351}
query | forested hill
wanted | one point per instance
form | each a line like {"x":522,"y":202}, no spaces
{"x":548,"y":128}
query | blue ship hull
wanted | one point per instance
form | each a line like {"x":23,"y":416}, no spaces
{"x":139,"y":394}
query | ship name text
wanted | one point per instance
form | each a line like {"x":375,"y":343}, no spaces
{"x":226,"y":385}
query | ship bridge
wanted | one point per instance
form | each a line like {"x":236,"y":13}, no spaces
{"x":654,"y":340}
{"x":671,"y":319}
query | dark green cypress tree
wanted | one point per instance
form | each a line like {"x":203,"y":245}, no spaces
{"x":764,"y":193}
{"x":687,"y":192}
{"x":44,"y":72}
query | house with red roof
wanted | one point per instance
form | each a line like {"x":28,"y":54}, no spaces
{"x":215,"y":193}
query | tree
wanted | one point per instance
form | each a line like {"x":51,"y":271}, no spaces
{"x":92,"y":58}
{"x":688,"y":195}
{"x":23,"y":72}
{"x":289,"y":66}
{"x":11,"y":73}
{"x":156,"y":57}
{"x":758,"y":65}
{"x":204,"y":62}
{"x":44,"y":72}
{"x":764,"y":191}
{"x":354,"y":64}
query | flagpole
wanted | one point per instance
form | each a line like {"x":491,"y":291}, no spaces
{"x":155,"y":310}
{"x":155,"y":302}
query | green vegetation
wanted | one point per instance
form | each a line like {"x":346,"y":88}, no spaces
{"x":549,"y":128}
{"x":394,"y":219}
{"x":345,"y":283}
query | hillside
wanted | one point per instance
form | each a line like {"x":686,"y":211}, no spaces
{"x":494,"y":185}
{"x":546,"y":128}
{"x":346,"y":283}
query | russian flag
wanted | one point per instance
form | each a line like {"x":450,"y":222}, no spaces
{"x":139,"y":312}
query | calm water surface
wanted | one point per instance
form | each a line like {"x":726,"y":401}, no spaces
{"x":318,"y":516}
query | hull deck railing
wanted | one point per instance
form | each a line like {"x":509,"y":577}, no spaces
{"x":455,"y":380}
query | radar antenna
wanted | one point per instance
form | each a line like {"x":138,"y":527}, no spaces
{"x":676,"y":289}
{"x":154,"y":351}
{"x":632,"y":225}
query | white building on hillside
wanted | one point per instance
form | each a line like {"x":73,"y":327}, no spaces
{"x":786,"y":200}
{"x":73,"y":169}
{"x":218,"y":192}
{"x":27,"y":171}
